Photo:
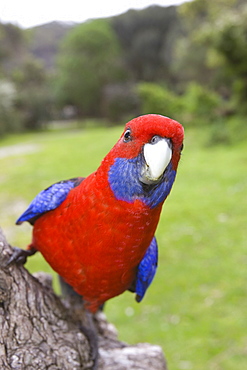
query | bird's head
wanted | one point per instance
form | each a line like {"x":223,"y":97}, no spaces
{"x":144,"y":161}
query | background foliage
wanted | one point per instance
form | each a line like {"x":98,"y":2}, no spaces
{"x":187,"y":61}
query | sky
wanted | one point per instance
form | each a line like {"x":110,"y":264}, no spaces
{"x":29,"y":13}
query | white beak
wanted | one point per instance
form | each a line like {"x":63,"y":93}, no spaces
{"x":157,"y":157}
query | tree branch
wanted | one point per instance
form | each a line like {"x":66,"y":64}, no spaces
{"x":38,"y":330}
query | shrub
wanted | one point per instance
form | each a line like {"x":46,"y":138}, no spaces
{"x":9,"y":120}
{"x":120,"y":102}
{"x":200,"y":105}
{"x":229,"y":130}
{"x":157,"y":99}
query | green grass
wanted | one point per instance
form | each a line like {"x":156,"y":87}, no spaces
{"x":196,"y":306}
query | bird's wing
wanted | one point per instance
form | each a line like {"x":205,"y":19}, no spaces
{"x":146,"y":270}
{"x":48,"y":200}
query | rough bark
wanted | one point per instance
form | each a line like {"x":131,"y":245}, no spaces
{"x":38,"y":330}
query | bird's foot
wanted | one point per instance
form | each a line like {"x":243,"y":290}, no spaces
{"x":87,"y":324}
{"x":90,"y":331}
{"x":92,"y":338}
{"x":69,"y":293}
{"x":20,"y":256}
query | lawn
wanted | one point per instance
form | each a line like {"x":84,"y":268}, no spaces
{"x":196,"y":306}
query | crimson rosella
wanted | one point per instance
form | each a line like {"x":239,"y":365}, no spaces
{"x":98,"y":232}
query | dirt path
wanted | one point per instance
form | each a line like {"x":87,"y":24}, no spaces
{"x":19,"y":149}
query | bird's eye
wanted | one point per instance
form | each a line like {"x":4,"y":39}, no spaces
{"x":127,"y":136}
{"x":155,"y":139}
{"x":182,"y":146}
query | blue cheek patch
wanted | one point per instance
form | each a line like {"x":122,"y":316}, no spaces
{"x":124,"y":181}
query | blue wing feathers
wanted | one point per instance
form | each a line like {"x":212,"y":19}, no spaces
{"x":48,"y":200}
{"x":146,"y":270}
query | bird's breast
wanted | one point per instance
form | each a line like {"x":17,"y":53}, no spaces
{"x":96,"y":242}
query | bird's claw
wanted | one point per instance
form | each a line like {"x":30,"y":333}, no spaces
{"x":19,"y":256}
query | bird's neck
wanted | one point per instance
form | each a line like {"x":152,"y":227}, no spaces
{"x":121,"y":177}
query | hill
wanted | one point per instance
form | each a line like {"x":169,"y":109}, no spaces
{"x":45,"y":40}
{"x":140,"y":32}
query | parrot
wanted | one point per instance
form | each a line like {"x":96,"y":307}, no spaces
{"x":98,"y":232}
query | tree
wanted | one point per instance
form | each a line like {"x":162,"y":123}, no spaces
{"x":147,"y":37}
{"x":34,"y":97}
{"x":8,"y":119}
{"x":88,"y":60}
{"x":13,"y":43}
{"x":230,"y":45}
{"x":213,"y":49}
